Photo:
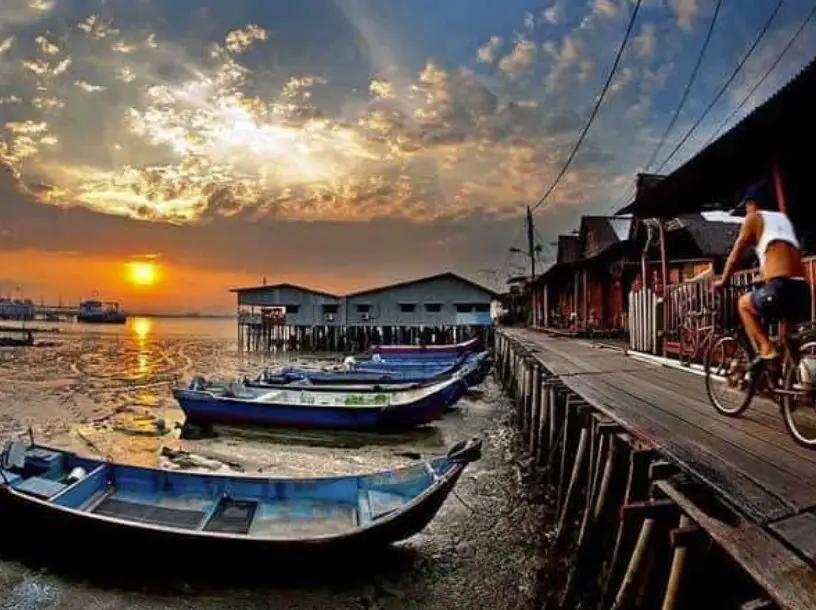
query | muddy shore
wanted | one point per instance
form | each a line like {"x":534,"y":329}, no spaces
{"x":109,"y":395}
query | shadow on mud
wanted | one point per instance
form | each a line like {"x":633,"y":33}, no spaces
{"x":166,"y":573}
{"x":427,"y":437}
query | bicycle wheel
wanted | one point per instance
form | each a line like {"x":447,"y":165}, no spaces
{"x":688,"y":344}
{"x":728,"y":385}
{"x":799,"y":409}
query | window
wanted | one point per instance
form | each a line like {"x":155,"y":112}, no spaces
{"x":407,"y":307}
{"x":433,"y":307}
{"x":331,"y":308}
{"x":292,"y":308}
{"x":363,"y":308}
{"x":472,"y":307}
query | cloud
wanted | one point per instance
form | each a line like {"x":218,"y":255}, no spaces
{"x":255,"y":139}
{"x":487,"y":53}
{"x":521,"y":58}
{"x":685,"y":12}
{"x":554,"y":13}
{"x":646,"y":41}
{"x":606,"y":8}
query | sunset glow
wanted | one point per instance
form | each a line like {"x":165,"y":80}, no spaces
{"x":142,"y":273}
{"x":162,"y":153}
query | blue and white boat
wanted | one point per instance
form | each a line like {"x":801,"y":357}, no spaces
{"x":342,"y":375}
{"x":352,"y":377}
{"x":456,"y":349}
{"x":206,"y":404}
{"x":474,"y":367}
{"x":55,"y":501}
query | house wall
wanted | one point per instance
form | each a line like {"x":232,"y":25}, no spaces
{"x":436,"y":302}
{"x":459,"y":304}
{"x":303,"y":308}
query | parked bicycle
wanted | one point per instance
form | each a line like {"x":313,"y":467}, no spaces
{"x":791,"y":383}
{"x":697,"y":334}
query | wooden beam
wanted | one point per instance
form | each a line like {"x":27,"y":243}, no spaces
{"x":649,"y":509}
{"x":778,"y":187}
{"x":687,"y":536}
{"x":785,"y":577}
{"x":661,"y":470}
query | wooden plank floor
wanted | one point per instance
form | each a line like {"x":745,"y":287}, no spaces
{"x":751,"y":461}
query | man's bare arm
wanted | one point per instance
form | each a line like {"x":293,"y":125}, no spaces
{"x":745,"y":238}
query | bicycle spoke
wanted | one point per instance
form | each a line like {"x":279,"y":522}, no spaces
{"x":728,"y":384}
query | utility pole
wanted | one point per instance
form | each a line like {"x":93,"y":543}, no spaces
{"x":531,"y":249}
{"x":531,"y":252}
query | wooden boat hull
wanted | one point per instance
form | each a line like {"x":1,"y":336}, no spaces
{"x":81,"y":532}
{"x":201,"y":410}
{"x":102,"y":319}
{"x":288,"y":375}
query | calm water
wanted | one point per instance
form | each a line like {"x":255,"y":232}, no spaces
{"x":104,"y":390}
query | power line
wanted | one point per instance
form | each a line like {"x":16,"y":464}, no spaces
{"x":687,"y":90}
{"x":725,"y":85}
{"x":791,"y":41}
{"x":595,"y":109}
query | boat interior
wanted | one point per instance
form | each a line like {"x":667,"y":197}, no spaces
{"x":339,"y":398}
{"x":246,"y":506}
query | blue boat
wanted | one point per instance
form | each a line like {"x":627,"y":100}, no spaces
{"x":55,"y":501}
{"x":272,"y":381}
{"x":204,"y":405}
{"x":285,"y":375}
{"x":427,"y":350}
{"x":473,"y":367}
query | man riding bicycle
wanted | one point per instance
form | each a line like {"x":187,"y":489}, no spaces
{"x":782,"y":292}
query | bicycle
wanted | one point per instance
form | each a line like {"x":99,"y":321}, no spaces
{"x":789,"y":383}
{"x":697,"y":324}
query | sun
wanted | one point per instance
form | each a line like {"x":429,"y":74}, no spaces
{"x":142,"y":273}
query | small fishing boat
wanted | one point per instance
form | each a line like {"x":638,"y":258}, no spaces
{"x":93,"y":311}
{"x":58,"y":500}
{"x":301,"y":408}
{"x":16,"y":337}
{"x":269,"y":380}
{"x":338,"y":374}
{"x":453,"y":348}
{"x":473,"y":367}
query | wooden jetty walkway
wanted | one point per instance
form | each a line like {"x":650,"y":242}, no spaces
{"x":764,"y":484}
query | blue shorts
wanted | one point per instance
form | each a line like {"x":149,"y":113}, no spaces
{"x":782,"y":298}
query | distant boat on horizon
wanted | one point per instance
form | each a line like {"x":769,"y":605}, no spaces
{"x":94,"y":311}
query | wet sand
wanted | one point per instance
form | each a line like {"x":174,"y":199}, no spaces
{"x":107,"y":392}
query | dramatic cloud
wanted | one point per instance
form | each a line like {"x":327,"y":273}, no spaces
{"x":337,"y":129}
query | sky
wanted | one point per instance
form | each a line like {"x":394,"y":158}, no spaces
{"x":337,"y":144}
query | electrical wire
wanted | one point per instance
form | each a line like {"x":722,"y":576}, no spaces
{"x":725,"y":85}
{"x":791,"y":41}
{"x":690,"y":83}
{"x":595,"y":109}
{"x":585,"y":130}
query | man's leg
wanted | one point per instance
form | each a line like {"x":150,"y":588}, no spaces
{"x":750,"y":320}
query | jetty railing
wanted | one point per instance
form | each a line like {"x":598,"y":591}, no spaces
{"x":657,"y":323}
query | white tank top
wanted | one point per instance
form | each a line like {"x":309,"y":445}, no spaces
{"x":776,"y":226}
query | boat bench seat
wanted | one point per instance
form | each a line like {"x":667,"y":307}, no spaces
{"x":40,"y":487}
{"x":232,"y":516}
{"x":182,"y":518}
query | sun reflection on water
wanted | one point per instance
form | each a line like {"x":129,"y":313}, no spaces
{"x":142,"y":328}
